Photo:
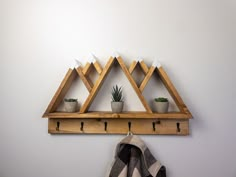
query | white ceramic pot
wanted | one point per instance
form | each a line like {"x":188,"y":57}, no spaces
{"x":71,"y":106}
{"x":161,"y":107}
{"x":117,"y":107}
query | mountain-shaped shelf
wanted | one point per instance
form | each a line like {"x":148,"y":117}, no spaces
{"x":106,"y":122}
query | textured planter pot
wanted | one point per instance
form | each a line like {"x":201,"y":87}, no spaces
{"x":71,"y":106}
{"x":117,"y":106}
{"x":161,"y":107}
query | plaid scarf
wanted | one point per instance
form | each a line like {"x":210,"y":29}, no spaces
{"x":133,"y":159}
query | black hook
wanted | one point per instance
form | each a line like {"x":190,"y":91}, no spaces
{"x":154,"y":126}
{"x":58,"y":125}
{"x":178,"y":126}
{"x":82,"y":126}
{"x":129,"y":125}
{"x":105,"y":126}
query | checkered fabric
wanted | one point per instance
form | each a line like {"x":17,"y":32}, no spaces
{"x":133,"y":159}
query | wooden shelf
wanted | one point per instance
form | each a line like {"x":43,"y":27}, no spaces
{"x":118,"y":126}
{"x":105,"y":122}
{"x":110,"y":115}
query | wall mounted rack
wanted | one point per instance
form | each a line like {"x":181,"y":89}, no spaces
{"x":91,"y":122}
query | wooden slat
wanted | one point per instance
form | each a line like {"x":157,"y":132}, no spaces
{"x":87,"y":68}
{"x":97,"y":86}
{"x":61,"y":91}
{"x":89,"y":81}
{"x":172,"y":90}
{"x":134,"y":85}
{"x":171,"y":123}
{"x":143,"y":67}
{"x":119,"y":126}
{"x":110,"y":115}
{"x":98,"y":67}
{"x":88,"y":84}
{"x":132,"y":66}
{"x":147,"y":78}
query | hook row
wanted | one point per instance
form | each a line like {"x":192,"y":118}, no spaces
{"x":178,"y":129}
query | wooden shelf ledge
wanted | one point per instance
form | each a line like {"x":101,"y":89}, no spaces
{"x":100,"y":122}
{"x":119,"y":126}
{"x":138,"y":115}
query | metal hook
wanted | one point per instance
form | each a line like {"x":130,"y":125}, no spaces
{"x":154,"y":126}
{"x":105,"y":126}
{"x":129,"y":124}
{"x":178,"y":126}
{"x":82,"y":126}
{"x":129,"y":131}
{"x":58,"y":125}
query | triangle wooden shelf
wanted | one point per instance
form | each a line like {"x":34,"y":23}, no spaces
{"x":96,"y":122}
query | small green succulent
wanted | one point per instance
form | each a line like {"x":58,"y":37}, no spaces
{"x":161,"y":99}
{"x":116,"y":94}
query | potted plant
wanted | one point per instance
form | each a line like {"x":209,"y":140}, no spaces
{"x":71,"y":104}
{"x":117,"y":99}
{"x":161,"y":104}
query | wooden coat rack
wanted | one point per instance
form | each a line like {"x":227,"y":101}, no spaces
{"x":91,"y":122}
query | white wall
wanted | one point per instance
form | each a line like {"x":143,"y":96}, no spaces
{"x":195,"y":41}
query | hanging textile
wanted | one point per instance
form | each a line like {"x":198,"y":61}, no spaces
{"x":133,"y":159}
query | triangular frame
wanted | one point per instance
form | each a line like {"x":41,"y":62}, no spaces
{"x":160,"y":123}
{"x":172,"y":91}
{"x":102,"y":78}
{"x":67,"y":82}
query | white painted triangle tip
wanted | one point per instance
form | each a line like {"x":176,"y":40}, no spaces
{"x":139,"y":59}
{"x":115,"y":55}
{"x":156,"y":63}
{"x":77,"y":64}
{"x":92,"y":58}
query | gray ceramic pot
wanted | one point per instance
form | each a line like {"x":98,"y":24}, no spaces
{"x":117,"y":107}
{"x":161,"y":107}
{"x":71,"y":106}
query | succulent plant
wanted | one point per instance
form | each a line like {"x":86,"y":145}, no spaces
{"x":116,"y":94}
{"x":161,"y":99}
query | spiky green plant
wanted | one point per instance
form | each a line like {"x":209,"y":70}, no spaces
{"x":161,"y":99}
{"x":116,"y":94}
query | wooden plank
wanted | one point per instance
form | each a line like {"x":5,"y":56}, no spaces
{"x":147,"y":78}
{"x":123,"y":115}
{"x":98,"y":67}
{"x":143,"y":67}
{"x":87,"y":68}
{"x":61,"y":91}
{"x":88,"y":84}
{"x":172,"y":90}
{"x":170,"y":87}
{"x":134,"y":85}
{"x":119,"y":126}
{"x":97,"y":86}
{"x":89,"y":81}
{"x":132,"y":66}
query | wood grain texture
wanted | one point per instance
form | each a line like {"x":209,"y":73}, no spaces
{"x":87,"y":82}
{"x":83,"y":122}
{"x":143,"y":67}
{"x":61,"y":91}
{"x":134,"y":85}
{"x":87,"y":68}
{"x":97,"y":86}
{"x":98,"y":67}
{"x":147,"y":78}
{"x":123,"y":115}
{"x":172,"y":90}
{"x":119,"y":126}
{"x":132,"y":66}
